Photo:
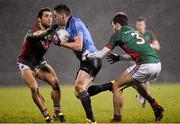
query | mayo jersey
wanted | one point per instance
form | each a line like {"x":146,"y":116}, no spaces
{"x":134,"y":44}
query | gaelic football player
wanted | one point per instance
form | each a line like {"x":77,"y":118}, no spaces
{"x":147,"y":67}
{"x":32,"y":64}
{"x":152,"y":40}
{"x":80,"y":42}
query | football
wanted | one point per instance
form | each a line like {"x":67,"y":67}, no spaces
{"x":63,"y":35}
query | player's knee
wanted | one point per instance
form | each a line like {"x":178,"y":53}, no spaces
{"x":76,"y":94}
{"x":115,"y":85}
{"x":53,"y":80}
{"x":79,"y":88}
{"x":81,"y":94}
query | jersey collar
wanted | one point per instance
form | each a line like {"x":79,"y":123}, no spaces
{"x":68,"y":22}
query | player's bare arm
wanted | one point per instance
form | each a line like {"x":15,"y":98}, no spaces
{"x":40,"y":33}
{"x":155,"y":45}
{"x":76,"y":45}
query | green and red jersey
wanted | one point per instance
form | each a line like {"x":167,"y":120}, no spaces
{"x":149,"y":36}
{"x":34,"y":48}
{"x":134,"y":44}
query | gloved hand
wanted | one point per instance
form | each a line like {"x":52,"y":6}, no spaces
{"x":84,"y":55}
{"x":113,"y":57}
{"x":56,"y":40}
{"x":53,"y":28}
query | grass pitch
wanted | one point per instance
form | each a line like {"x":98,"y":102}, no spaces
{"x":16,"y":105}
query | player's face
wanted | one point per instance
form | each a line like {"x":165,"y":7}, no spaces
{"x":116,"y":27}
{"x":140,"y":26}
{"x":60,"y":18}
{"x":46,"y":19}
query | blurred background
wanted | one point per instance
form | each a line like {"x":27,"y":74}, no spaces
{"x":17,"y":16}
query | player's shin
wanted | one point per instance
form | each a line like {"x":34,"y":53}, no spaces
{"x":143,"y":92}
{"x":40,"y":102}
{"x":38,"y":99}
{"x":118,"y":103}
{"x":158,"y":110}
{"x":56,"y":95}
{"x":86,"y":102}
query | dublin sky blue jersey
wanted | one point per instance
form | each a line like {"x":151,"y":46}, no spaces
{"x":76,"y":27}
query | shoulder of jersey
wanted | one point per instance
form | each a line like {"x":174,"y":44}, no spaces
{"x":149,"y":32}
{"x":76,"y":19}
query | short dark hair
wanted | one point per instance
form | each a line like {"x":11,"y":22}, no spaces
{"x":120,"y":18}
{"x":40,"y":13}
{"x":141,"y":19}
{"x":62,"y":8}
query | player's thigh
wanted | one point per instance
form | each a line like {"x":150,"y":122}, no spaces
{"x":125,"y":80}
{"x":28,"y":77}
{"x":47,"y":73}
{"x":147,"y":85}
{"x":83,"y":79}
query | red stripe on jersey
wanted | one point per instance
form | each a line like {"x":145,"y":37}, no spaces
{"x":35,"y":28}
{"x":24,"y":51}
{"x":109,"y":46}
{"x":134,"y":55}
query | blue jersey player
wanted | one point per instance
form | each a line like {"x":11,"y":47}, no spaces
{"x":81,"y":43}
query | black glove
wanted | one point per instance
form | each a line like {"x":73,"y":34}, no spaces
{"x":56,"y":40}
{"x":53,"y":28}
{"x":112,"y":58}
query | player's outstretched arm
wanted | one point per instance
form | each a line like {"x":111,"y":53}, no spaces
{"x":76,"y":45}
{"x":39,"y":33}
{"x":100,"y":54}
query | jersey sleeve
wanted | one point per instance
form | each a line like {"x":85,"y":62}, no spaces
{"x":114,"y":41}
{"x":153,"y":37}
{"x":30,"y":32}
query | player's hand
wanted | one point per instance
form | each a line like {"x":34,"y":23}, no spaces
{"x":112,"y":58}
{"x":53,"y":28}
{"x":56,"y":40}
{"x":85,"y":55}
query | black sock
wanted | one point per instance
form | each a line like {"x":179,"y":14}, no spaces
{"x":146,"y":96}
{"x":95,"y":89}
{"x":86,"y":102}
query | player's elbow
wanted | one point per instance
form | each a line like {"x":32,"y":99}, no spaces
{"x":158,"y":48}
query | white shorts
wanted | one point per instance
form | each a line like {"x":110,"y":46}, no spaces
{"x":36,"y":68}
{"x":145,"y":72}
